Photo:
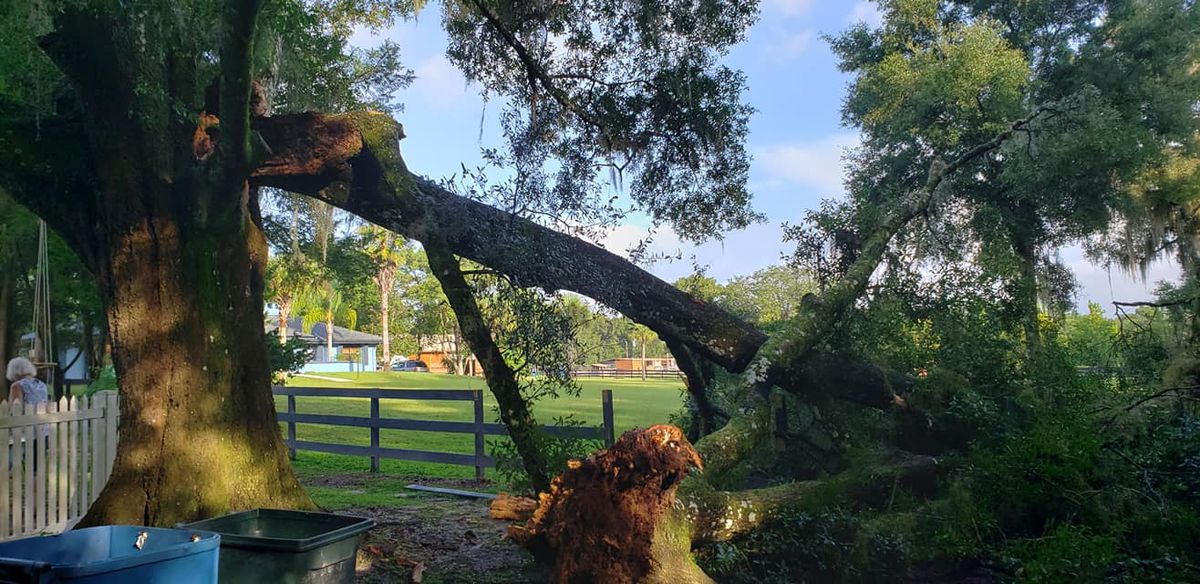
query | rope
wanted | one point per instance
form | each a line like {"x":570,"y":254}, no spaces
{"x":43,"y":336}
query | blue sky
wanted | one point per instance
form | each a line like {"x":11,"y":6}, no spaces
{"x":796,"y":137}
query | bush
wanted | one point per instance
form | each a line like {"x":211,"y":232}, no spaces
{"x":558,"y":451}
{"x":286,"y":359}
{"x":106,"y":380}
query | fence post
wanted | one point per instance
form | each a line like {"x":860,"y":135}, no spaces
{"x":291,"y":401}
{"x":375,"y":434}
{"x":477,"y":398}
{"x":609,"y":430}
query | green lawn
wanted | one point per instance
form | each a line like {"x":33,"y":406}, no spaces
{"x":635,"y":403}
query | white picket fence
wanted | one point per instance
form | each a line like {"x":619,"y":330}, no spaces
{"x":58,"y":458}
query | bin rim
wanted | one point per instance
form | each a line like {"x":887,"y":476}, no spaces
{"x":209,"y":540}
{"x":283,"y":544}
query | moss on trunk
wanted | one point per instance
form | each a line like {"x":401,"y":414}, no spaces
{"x":174,"y":241}
{"x":198,"y":434}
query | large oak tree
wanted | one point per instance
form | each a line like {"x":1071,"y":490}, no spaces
{"x":139,"y":135}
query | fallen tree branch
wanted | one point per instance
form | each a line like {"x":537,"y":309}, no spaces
{"x":353,"y":161}
{"x":1163,"y":304}
{"x":722,"y":515}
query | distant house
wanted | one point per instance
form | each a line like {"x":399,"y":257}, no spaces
{"x":442,"y":354}
{"x":352,"y":350}
{"x":637,"y":364}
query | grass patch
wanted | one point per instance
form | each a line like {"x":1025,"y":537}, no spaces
{"x":636,"y":403}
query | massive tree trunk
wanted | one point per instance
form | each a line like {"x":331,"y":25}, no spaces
{"x":198,"y":431}
{"x":170,"y":230}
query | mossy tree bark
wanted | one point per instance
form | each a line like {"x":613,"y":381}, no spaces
{"x":172,"y":233}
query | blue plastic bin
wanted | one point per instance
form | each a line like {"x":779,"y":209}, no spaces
{"x":108,"y":555}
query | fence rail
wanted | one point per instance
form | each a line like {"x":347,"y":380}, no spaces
{"x":56,"y":456}
{"x":376,"y":422}
{"x":628,"y":373}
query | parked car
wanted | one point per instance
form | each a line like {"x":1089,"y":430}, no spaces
{"x":410,"y":365}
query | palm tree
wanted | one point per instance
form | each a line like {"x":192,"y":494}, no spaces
{"x":386,"y":251}
{"x":325,"y":304}
{"x":288,"y":277}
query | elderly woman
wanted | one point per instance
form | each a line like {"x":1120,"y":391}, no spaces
{"x":25,"y":386}
{"x":27,"y":389}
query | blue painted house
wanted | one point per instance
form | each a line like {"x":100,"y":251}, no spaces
{"x":352,"y":350}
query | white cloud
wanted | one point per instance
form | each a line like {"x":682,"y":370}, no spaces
{"x":866,"y":12}
{"x":815,"y":164}
{"x":624,"y":238}
{"x":738,"y":253}
{"x":789,"y":7}
{"x":1104,"y":285}
{"x":791,"y":46}
{"x":439,"y":84}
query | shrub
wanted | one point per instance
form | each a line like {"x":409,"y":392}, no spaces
{"x":286,"y":359}
{"x":557,"y":451}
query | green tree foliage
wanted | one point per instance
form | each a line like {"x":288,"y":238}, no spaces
{"x":1091,"y":338}
{"x":1067,"y":460}
{"x":289,"y":277}
{"x":939,"y":77}
{"x":324,"y":303}
{"x":634,"y":88}
{"x":286,"y":357}
{"x":769,"y":296}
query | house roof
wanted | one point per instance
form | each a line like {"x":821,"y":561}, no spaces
{"x":341,"y":335}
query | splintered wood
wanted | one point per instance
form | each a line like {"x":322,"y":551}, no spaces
{"x":508,"y":508}
{"x":598,"y":521}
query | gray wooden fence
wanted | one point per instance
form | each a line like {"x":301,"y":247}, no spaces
{"x":477,"y":427}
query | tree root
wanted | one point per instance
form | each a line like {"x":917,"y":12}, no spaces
{"x":599,"y":521}
{"x":616,"y":516}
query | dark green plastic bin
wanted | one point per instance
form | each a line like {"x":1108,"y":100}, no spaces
{"x":268,"y":546}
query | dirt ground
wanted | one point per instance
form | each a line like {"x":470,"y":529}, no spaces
{"x":435,"y":539}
